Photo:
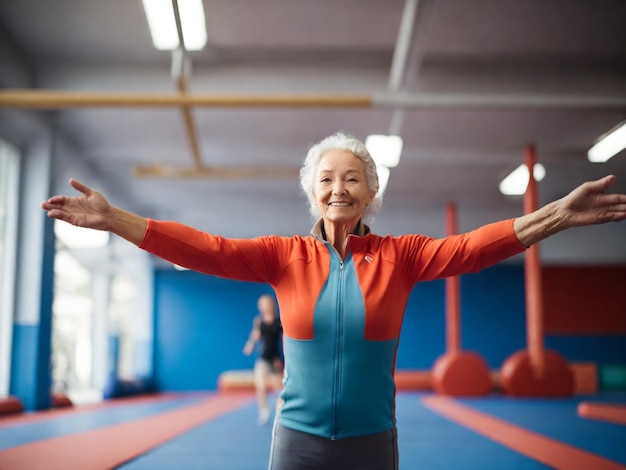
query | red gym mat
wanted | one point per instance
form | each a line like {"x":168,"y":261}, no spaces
{"x":112,"y":446}
{"x":553,"y":453}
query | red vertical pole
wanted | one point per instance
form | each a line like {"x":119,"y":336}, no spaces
{"x":453,"y":304}
{"x":532,"y":266}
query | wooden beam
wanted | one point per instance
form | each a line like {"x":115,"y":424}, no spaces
{"x":204,"y":172}
{"x":49,"y":99}
{"x":53,"y":99}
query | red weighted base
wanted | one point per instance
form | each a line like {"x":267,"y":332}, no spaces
{"x":461,"y":374}
{"x":10,"y":405}
{"x":60,"y":400}
{"x":519,"y":378}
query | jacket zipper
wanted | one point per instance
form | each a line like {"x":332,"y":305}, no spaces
{"x":338,"y":354}
{"x":338,"y":349}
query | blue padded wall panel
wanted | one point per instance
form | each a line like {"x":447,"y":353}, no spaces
{"x":201,"y":325}
{"x":202,"y":322}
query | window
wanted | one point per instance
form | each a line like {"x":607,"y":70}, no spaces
{"x":72,"y":324}
{"x":9,"y":178}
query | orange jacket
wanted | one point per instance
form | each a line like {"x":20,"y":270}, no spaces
{"x":341,"y":317}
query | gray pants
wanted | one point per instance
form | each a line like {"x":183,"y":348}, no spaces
{"x":295,"y":450}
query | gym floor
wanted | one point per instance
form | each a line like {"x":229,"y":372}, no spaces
{"x":219,"y":431}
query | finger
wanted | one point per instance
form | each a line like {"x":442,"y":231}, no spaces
{"x":54,"y":201}
{"x":615,"y":215}
{"x":618,"y":208}
{"x":616,"y":201}
{"x":81,"y":187}
{"x":611,"y":210}
{"x":60,"y":215}
{"x":602,"y":184}
{"x":47,"y":206}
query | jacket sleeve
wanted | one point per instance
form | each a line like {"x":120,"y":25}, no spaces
{"x":433,"y":258}
{"x":251,"y":260}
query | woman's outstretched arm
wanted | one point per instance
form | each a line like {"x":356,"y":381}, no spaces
{"x":588,"y":204}
{"x":92,"y":210}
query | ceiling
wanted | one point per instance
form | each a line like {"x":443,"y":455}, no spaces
{"x":481,"y":80}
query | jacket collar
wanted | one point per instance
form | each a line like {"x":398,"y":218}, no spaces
{"x":318,"y":230}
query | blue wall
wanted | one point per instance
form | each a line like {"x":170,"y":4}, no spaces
{"x":492,"y":318}
{"x":202,"y":323}
{"x":24,"y":378}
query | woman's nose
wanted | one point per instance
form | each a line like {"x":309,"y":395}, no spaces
{"x":338,"y":188}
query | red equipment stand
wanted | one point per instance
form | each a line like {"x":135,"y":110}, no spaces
{"x":457,"y":372}
{"x":535,"y":372}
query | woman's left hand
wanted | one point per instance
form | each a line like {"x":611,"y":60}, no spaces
{"x":589,"y":204}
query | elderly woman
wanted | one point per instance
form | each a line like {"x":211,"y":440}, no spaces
{"x":342,"y":292}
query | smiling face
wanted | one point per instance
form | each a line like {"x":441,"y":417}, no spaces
{"x":340,"y":187}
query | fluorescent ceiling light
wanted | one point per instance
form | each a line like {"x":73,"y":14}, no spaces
{"x":162,"y":23}
{"x":385,"y":149}
{"x":160,"y":15}
{"x":609,"y":145}
{"x":79,"y":237}
{"x":383,"y":179}
{"x":517,"y":181}
{"x":194,"y":24}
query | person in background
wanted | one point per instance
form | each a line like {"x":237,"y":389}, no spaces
{"x":268,"y":367}
{"x":342,"y":292}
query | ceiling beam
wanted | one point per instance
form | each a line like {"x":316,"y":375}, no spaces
{"x":181,"y":64}
{"x":51,"y":99}
{"x":497,"y":101}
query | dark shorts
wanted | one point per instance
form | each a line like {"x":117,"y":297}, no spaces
{"x":295,"y":450}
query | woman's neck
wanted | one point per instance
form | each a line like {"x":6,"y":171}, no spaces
{"x":337,"y":234}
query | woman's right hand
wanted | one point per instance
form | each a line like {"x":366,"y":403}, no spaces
{"x":90,"y":210}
